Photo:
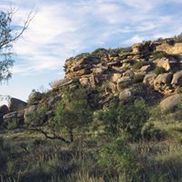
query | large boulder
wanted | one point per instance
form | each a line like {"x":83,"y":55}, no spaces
{"x":162,"y":81}
{"x":145,"y":68}
{"x":170,"y":103}
{"x":149,"y":79}
{"x":123,"y":82}
{"x":177,"y":79}
{"x":164,"y":63}
{"x":16,"y":105}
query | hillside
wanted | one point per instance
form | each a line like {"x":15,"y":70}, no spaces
{"x":118,"y":108}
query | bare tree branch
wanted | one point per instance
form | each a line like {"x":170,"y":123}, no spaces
{"x":52,"y":137}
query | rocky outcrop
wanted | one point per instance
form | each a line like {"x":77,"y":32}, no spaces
{"x":175,"y":48}
{"x":151,"y":70}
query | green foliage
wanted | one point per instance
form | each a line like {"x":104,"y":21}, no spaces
{"x":6,"y":61}
{"x":179,"y":90}
{"x":73,"y":111}
{"x":8,"y":35}
{"x":159,"y":55}
{"x":129,"y":118}
{"x":150,"y":132}
{"x":137,"y":65}
{"x":34,"y":97}
{"x":116,"y":157}
{"x":37,"y":117}
{"x":159,"y":70}
{"x":12,"y":124}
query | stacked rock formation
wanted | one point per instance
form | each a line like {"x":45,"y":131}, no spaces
{"x":151,"y":70}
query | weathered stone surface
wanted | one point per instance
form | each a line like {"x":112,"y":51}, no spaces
{"x":115,"y":77}
{"x":177,"y":79}
{"x":17,"y":117}
{"x":125,"y":94}
{"x":123,"y":82}
{"x":16,"y":105}
{"x":164,"y":63}
{"x":84,"y":81}
{"x":170,"y":49}
{"x":136,"y":48}
{"x":129,"y":73}
{"x":162,"y":81}
{"x":170,"y":103}
{"x":164,"y":78}
{"x":149,"y":79}
{"x":145,"y":68}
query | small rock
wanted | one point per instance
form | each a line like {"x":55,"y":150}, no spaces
{"x":145,"y":68}
{"x":123,"y":82}
{"x":115,"y":77}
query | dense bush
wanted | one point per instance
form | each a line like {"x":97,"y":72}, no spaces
{"x":130,"y":118}
{"x":150,"y":132}
{"x":37,"y":117}
{"x":159,"y":55}
{"x":117,"y":159}
{"x":34,"y":97}
{"x":73,"y":112}
{"x":138,"y":64}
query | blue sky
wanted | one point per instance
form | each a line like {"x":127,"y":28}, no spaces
{"x":64,"y":28}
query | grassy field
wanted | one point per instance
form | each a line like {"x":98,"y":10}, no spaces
{"x":28,"y":156}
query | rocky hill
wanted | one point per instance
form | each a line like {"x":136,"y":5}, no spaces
{"x":151,"y":70}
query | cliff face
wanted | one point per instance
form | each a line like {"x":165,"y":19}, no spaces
{"x":151,"y":70}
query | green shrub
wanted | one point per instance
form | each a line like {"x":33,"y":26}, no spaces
{"x":179,"y":90}
{"x":130,"y":118}
{"x":34,"y":97}
{"x":138,"y":65}
{"x":117,"y":160}
{"x":159,"y":70}
{"x":72,"y":113}
{"x":12,"y":125}
{"x":159,"y":55}
{"x":38,"y":117}
{"x":150,"y":132}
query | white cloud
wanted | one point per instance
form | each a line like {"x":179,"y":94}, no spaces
{"x":62,"y":28}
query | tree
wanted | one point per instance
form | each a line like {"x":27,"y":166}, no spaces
{"x":73,"y":112}
{"x":8,"y":36}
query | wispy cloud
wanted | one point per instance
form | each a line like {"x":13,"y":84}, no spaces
{"x":62,"y":29}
